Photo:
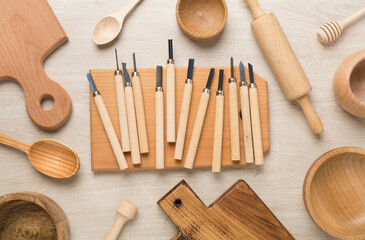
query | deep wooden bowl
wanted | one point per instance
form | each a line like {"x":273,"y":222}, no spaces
{"x":349,"y":84}
{"x":201,"y":20}
{"x":29,"y":215}
{"x":334,"y":193}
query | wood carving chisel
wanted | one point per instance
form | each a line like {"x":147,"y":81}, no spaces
{"x":218,"y":126}
{"x":108,"y":125}
{"x":122,"y":110}
{"x":234,"y":126}
{"x":170,"y":96}
{"x":131,"y":114}
{"x":140,"y":115}
{"x":184,"y":112}
{"x":255,"y":120}
{"x":246,"y":117}
{"x":199,"y":122}
{"x":159,"y":121}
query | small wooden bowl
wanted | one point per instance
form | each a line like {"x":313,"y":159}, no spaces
{"x":29,"y":215}
{"x":334,"y":193}
{"x":349,"y":84}
{"x":201,"y":20}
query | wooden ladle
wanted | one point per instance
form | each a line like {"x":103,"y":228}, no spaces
{"x":49,"y":157}
{"x":108,"y":28}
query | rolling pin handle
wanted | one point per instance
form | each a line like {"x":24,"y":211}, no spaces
{"x":310,"y":114}
{"x":255,"y":8}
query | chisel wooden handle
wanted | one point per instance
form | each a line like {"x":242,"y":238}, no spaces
{"x":197,"y":129}
{"x":122,"y":111}
{"x":126,"y":211}
{"x":234,"y":122}
{"x":159,"y":121}
{"x":256,"y":126}
{"x":132,"y":124}
{"x":170,"y":102}
{"x":183,"y":122}
{"x":280,"y":55}
{"x":110,"y":132}
{"x":140,"y":115}
{"x":311,"y":116}
{"x":218,"y":133}
{"x":246,"y":124}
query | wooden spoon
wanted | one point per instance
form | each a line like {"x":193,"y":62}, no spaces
{"x":49,"y":157}
{"x":108,"y":28}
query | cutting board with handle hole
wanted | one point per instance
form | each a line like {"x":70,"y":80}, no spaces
{"x":237,"y":214}
{"x":29,"y":31}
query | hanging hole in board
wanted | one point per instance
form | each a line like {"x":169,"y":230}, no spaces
{"x":178,"y":202}
{"x":47,"y":103}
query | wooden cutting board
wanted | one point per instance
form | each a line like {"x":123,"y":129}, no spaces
{"x":29,"y":31}
{"x":237,"y":214}
{"x":102,"y":157}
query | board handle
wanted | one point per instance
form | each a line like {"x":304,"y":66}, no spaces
{"x":255,"y":8}
{"x":310,"y":114}
{"x":45,"y":88}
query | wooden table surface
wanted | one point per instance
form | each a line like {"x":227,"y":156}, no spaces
{"x":90,"y":199}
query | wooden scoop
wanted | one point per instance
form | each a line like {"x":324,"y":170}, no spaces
{"x":108,"y":28}
{"x":49,"y":157}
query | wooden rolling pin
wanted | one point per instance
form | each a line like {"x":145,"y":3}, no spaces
{"x":131,"y":114}
{"x":255,"y":120}
{"x":184,"y":112}
{"x":108,"y":125}
{"x":199,"y":122}
{"x":159,"y":121}
{"x":122,"y":110}
{"x":138,"y":100}
{"x":126,"y":211}
{"x":234,"y":126}
{"x":170,"y":96}
{"x":283,"y":62}
{"x":218,"y":126}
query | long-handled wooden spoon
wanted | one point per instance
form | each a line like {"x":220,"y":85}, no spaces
{"x":108,"y":28}
{"x":49,"y":157}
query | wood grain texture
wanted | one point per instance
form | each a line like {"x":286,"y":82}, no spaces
{"x":28,"y":33}
{"x":201,"y":20}
{"x":237,"y":214}
{"x":334,"y":191}
{"x":293,"y":147}
{"x":102,"y":156}
{"x":348,"y":83}
{"x":30,"y":215}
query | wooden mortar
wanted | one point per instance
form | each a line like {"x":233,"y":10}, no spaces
{"x":349,"y":84}
{"x":30,"y":215}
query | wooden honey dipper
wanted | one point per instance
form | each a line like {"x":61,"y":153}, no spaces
{"x":330,"y":31}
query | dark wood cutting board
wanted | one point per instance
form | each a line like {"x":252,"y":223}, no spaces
{"x":236,"y":215}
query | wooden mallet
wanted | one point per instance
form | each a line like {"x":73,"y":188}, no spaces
{"x":126,"y":211}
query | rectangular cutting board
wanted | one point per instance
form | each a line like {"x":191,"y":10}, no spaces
{"x":102,"y":157}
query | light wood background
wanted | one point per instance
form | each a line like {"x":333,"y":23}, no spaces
{"x":90,"y":199}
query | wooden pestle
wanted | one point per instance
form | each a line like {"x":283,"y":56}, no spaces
{"x":126,"y":211}
{"x":283,"y":62}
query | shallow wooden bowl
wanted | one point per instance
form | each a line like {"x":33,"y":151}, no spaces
{"x":29,"y":215}
{"x":334,"y":193}
{"x":201,"y":20}
{"x":349,"y":84}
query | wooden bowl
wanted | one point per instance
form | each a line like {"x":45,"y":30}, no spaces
{"x":334,"y":193}
{"x":201,"y":20}
{"x":29,"y":215}
{"x":349,"y":84}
